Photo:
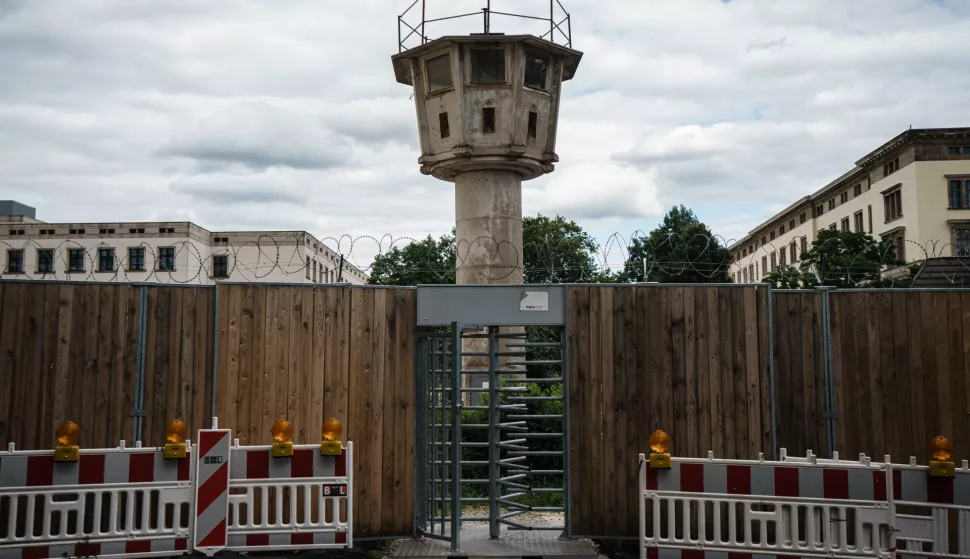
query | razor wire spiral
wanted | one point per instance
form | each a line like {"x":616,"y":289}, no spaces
{"x":495,"y":259}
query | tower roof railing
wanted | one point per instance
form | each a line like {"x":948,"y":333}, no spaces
{"x":412,"y":25}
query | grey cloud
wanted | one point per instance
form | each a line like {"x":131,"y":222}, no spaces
{"x":259,"y":136}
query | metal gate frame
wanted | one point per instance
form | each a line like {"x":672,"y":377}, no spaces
{"x":439,"y":463}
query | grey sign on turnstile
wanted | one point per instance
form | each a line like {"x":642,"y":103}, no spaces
{"x":505,"y":305}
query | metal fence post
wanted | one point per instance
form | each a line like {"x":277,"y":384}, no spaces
{"x":215,"y":354}
{"x":829,"y":414}
{"x":771,"y":377}
{"x":494,"y":436}
{"x":139,"y":405}
{"x":455,"y":436}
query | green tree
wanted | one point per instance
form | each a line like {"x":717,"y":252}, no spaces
{"x":843,"y":259}
{"x":428,"y":261}
{"x":555,"y":250}
{"x":681,"y":249}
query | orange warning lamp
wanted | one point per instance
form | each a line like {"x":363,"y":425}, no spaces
{"x":67,"y":435}
{"x":331,"y":431}
{"x":660,"y":445}
{"x":282,"y":432}
{"x":175,"y":434}
{"x":941,"y":450}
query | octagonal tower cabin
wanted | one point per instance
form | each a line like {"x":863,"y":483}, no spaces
{"x":487,"y":107}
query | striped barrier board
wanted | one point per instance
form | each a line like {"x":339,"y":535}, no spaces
{"x":801,"y":507}
{"x":212,"y":491}
{"x":312,"y":493}
{"x":39,"y":498}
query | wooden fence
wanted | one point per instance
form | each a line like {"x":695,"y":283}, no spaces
{"x":690,"y":360}
{"x":695,"y":361}
{"x":890,"y":369}
{"x":307,"y":353}
{"x":75,"y":350}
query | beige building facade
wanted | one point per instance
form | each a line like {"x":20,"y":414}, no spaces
{"x":163,"y":252}
{"x":914,"y":191}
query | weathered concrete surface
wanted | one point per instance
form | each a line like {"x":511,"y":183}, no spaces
{"x":488,"y":222}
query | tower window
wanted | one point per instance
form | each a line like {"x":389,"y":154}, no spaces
{"x":536,"y":70}
{"x":488,"y":65}
{"x":533,"y":123}
{"x":438,"y":70}
{"x":443,"y":125}
{"x":488,"y":120}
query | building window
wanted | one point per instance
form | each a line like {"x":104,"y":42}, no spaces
{"x":744,"y":275}
{"x":782,"y":260}
{"x":791,"y":224}
{"x":959,"y":194}
{"x":782,"y":230}
{"x":893,"y":204}
{"x":136,"y":259}
{"x":845,"y":224}
{"x":488,"y":65}
{"x":962,"y":238}
{"x":751,"y":273}
{"x":166,"y":259}
{"x":832,"y":227}
{"x":832,"y":204}
{"x":314,"y":272}
{"x":75,"y":260}
{"x":15,"y":261}
{"x":791,"y":250}
{"x":804,"y":246}
{"x":744,"y":252}
{"x":890,"y":168}
{"x":956,"y":194}
{"x":774,"y":262}
{"x":438,"y":70}
{"x":819,"y":210}
{"x":220,"y":266}
{"x":536,"y":70}
{"x":443,"y":128}
{"x":771,"y":235}
{"x":801,"y":218}
{"x":764,"y":264}
{"x":859,"y":225}
{"x":764,"y":240}
{"x":106,"y":259}
{"x":307,"y":267}
{"x":844,"y":197}
{"x":870,"y":219}
{"x":857,"y":191}
{"x":45,"y":261}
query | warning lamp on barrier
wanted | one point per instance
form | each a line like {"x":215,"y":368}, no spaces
{"x":941,"y":451}
{"x":283,"y":435}
{"x":175,"y":434}
{"x":331,"y":431}
{"x":660,"y":445}
{"x":67,"y":435}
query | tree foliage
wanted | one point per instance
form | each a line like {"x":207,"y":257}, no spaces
{"x":555,"y":250}
{"x":843,"y":259}
{"x":681,"y":249}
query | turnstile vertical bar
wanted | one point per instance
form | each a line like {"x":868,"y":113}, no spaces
{"x":456,"y":436}
{"x":494,"y":436}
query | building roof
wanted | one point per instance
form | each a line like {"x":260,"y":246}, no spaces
{"x":906,"y":138}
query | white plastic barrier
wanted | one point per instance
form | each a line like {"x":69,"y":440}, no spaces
{"x":132,"y":502}
{"x":805,"y":507}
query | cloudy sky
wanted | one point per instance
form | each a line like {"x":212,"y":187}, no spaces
{"x":270,"y":114}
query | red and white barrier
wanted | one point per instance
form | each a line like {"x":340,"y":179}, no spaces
{"x":302,"y":502}
{"x":804,"y":507}
{"x":131,"y":502}
{"x":111,"y":502}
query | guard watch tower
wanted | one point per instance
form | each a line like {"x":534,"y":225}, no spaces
{"x":487,"y":107}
